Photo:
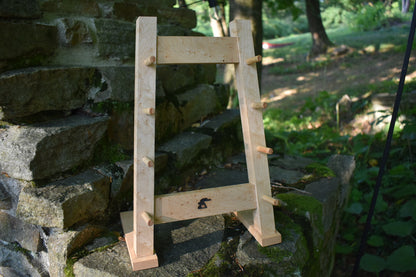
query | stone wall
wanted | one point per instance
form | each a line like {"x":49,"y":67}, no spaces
{"x":66,"y":123}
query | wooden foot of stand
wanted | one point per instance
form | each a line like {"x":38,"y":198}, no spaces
{"x":139,"y":263}
{"x":271,"y":238}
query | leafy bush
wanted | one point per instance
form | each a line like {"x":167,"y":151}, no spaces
{"x":368,"y":17}
{"x":274,"y":27}
{"x":335,"y":17}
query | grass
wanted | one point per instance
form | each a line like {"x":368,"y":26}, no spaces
{"x":312,"y":131}
{"x":384,"y":40}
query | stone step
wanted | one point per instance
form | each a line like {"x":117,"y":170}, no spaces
{"x":182,"y":247}
{"x":30,"y":91}
{"x":185,"y":147}
{"x":173,"y":115}
{"x":100,"y":41}
{"x":19,"y":9}
{"x":94,"y":8}
{"x":42,"y":150}
{"x":25,"y":44}
{"x":66,"y":202}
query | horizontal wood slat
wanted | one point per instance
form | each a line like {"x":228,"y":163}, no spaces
{"x":198,"y":203}
{"x":197,"y":50}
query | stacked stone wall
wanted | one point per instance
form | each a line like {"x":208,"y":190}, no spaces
{"x":66,"y":123}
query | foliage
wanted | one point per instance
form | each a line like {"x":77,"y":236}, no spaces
{"x":310,"y":131}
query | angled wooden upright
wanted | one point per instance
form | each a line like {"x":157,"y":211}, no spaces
{"x":251,"y":202}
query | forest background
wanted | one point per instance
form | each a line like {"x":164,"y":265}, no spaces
{"x":316,"y":53}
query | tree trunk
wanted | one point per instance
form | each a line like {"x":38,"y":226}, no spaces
{"x":217,"y":20}
{"x":405,"y":6}
{"x":252,"y":10}
{"x":320,"y":40}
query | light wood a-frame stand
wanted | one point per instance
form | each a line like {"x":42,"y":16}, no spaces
{"x":251,"y":202}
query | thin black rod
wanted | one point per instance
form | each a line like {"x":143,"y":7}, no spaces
{"x":386,"y":151}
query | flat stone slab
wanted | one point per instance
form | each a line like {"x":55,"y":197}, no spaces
{"x":30,"y":91}
{"x":41,"y":150}
{"x":182,"y":247}
{"x":24,"y":43}
{"x":285,"y":176}
{"x":19,"y":9}
{"x":66,"y":202}
{"x":186,"y":146}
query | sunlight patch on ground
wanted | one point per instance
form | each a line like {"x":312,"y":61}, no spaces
{"x":280,"y":95}
{"x":411,"y":76}
{"x":271,"y":60}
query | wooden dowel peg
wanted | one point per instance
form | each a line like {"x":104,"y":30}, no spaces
{"x":148,"y":161}
{"x":271,"y":200}
{"x":150,"y":60}
{"x":265,"y":150}
{"x":254,"y":59}
{"x":259,"y":105}
{"x":147,"y":218}
{"x":149,"y":111}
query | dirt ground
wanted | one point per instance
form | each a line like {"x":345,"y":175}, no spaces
{"x":348,"y":71}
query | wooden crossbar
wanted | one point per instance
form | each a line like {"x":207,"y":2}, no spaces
{"x":196,"y":50}
{"x":199,"y":203}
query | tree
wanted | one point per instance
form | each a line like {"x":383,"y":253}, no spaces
{"x":405,"y":6}
{"x":251,"y":10}
{"x":217,"y":18}
{"x":320,"y":40}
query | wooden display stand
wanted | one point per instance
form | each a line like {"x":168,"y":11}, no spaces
{"x":251,"y":202}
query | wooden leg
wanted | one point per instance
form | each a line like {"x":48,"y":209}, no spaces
{"x":259,"y":222}
{"x":140,"y":241}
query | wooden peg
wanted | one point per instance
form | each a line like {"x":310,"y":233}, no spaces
{"x":148,"y":161}
{"x":265,"y":150}
{"x":150,"y":60}
{"x":147,"y":218}
{"x":149,"y":111}
{"x":259,"y":105}
{"x":254,"y":59}
{"x":274,"y":201}
{"x":271,"y":200}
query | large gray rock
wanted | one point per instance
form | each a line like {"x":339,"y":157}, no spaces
{"x":120,"y":83}
{"x":309,"y":234}
{"x":84,"y":8}
{"x":186,"y":146}
{"x":176,"y":77}
{"x":61,"y":244}
{"x":13,"y":229}
{"x":115,"y":39}
{"x":285,"y":176}
{"x":15,"y":262}
{"x":198,"y":103}
{"x":182,"y":17}
{"x":10,"y":188}
{"x":5,"y":198}
{"x":182,"y":247}
{"x":63,"y":203}
{"x":19,"y":9}
{"x":30,"y":91}
{"x":24,"y":44}
{"x":42,"y":150}
{"x":285,"y":259}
